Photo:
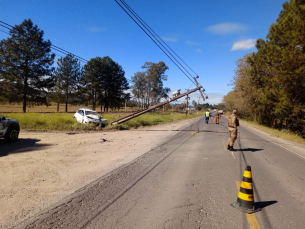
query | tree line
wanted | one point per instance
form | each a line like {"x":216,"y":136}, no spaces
{"x":269,"y":85}
{"x":28,"y":75}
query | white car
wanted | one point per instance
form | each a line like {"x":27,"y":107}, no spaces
{"x":84,"y":115}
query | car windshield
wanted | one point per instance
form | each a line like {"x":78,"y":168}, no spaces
{"x":91,"y":113}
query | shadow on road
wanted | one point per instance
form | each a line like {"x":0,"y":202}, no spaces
{"x":263,"y":204}
{"x":22,"y":145}
{"x":249,"y":149}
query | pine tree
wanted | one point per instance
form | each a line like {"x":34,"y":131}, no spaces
{"x":67,"y":76}
{"x":26,"y":63}
{"x":104,"y":82}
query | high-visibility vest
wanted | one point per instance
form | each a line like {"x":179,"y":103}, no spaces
{"x":207,"y":114}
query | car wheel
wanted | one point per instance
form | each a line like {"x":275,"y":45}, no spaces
{"x":12,"y":134}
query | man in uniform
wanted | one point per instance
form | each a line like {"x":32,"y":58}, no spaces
{"x":233,"y":123}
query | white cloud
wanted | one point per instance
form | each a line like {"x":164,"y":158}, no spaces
{"x":172,"y":39}
{"x":96,"y":29}
{"x":192,"y":43}
{"x":199,"y":50}
{"x":226,"y":28}
{"x":244,"y":44}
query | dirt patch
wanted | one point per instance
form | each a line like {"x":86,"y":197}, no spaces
{"x":42,"y":168}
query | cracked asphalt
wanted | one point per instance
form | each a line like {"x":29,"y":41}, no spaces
{"x":189,"y":182}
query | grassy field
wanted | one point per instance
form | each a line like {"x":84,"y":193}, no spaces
{"x":53,"y":108}
{"x":65,"y":122}
{"x":284,"y":134}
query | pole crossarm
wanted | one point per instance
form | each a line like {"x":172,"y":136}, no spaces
{"x":124,"y":119}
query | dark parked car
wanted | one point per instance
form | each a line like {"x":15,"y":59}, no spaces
{"x":9,"y":129}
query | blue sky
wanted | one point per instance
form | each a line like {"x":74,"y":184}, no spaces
{"x":210,"y":36}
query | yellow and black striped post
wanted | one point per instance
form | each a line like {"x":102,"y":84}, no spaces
{"x":245,"y":199}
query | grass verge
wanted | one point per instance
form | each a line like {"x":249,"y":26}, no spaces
{"x":66,"y":122}
{"x":284,"y":134}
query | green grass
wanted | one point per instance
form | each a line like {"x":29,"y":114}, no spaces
{"x":284,"y":134}
{"x":65,"y":122}
{"x":53,"y":121}
{"x":149,"y":119}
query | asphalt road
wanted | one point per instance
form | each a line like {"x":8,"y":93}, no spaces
{"x":189,"y":182}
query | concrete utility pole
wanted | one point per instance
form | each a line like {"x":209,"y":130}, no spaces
{"x":187,"y":104}
{"x":136,"y":114}
{"x":198,"y":102}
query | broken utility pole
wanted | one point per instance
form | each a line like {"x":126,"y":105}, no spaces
{"x":121,"y":120}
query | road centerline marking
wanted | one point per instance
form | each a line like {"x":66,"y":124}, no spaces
{"x":232,"y":154}
{"x":224,"y":144}
{"x":251,"y":217}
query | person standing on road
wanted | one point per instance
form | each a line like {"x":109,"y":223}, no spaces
{"x":233,"y":123}
{"x":217,"y":115}
{"x":207,"y":116}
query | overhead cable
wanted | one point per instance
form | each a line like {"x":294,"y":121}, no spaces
{"x":52,"y":46}
{"x":51,"y":52}
{"x":154,"y":41}
{"x":141,"y":20}
{"x":152,"y":33}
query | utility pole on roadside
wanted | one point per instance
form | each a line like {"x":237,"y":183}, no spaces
{"x":187,"y":103}
{"x":198,"y":102}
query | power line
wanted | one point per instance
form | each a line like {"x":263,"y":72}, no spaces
{"x":51,"y":52}
{"x":52,"y":46}
{"x":154,"y":41}
{"x":140,"y":19}
{"x":152,"y":33}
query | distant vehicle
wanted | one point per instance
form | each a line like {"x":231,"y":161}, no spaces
{"x":220,"y":111}
{"x":84,"y":115}
{"x":214,"y":109}
{"x":9,"y":129}
{"x":176,"y":93}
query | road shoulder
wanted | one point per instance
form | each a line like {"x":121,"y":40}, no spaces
{"x":42,"y":168}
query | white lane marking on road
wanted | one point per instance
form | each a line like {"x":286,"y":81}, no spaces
{"x":278,"y":144}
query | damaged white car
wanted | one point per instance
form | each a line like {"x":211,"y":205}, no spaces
{"x":84,"y":115}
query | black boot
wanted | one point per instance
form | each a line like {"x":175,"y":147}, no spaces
{"x":229,"y":147}
{"x":232,"y":149}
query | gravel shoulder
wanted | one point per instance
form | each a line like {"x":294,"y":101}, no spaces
{"x":42,"y":168}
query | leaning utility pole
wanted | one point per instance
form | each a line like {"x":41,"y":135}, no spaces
{"x":121,"y":120}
